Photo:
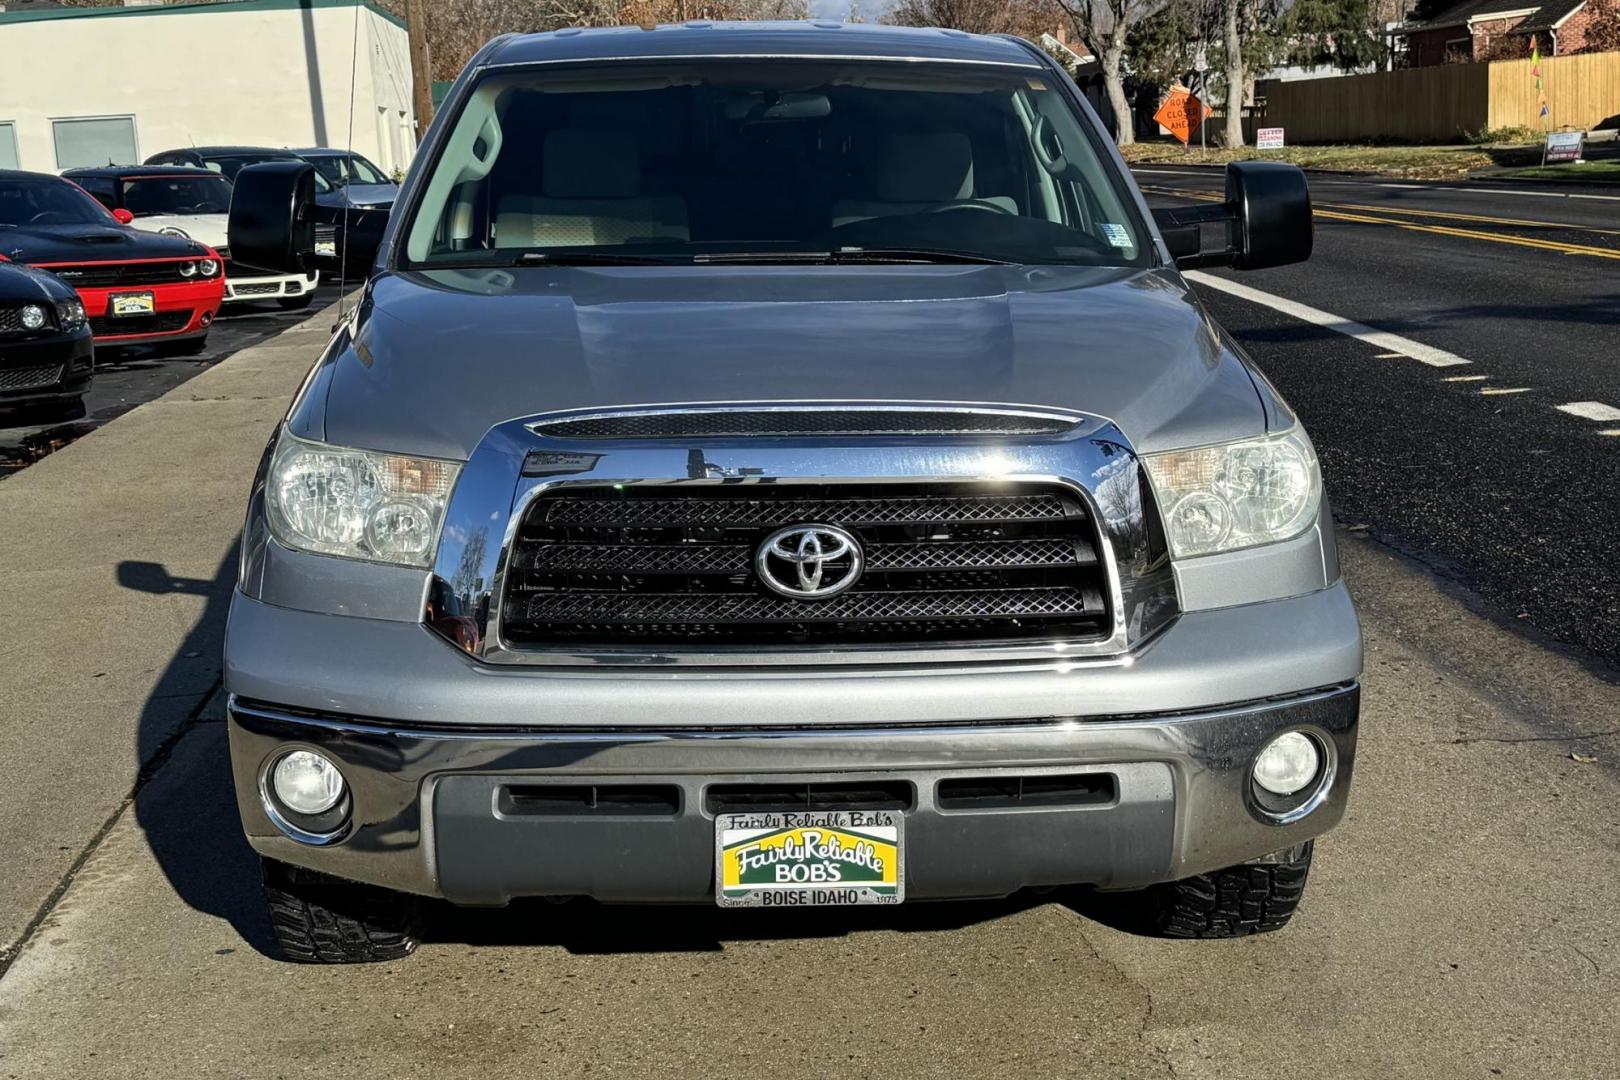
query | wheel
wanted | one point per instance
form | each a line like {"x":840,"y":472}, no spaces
{"x":193,"y":347}
{"x":295,"y":303}
{"x":1254,"y":898}
{"x":319,"y":919}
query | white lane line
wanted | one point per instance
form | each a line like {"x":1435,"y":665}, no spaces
{"x":1541,"y":194}
{"x":1505,"y":390}
{"x":1360,"y":331}
{"x":1465,"y":378}
{"x":1613,"y":432}
{"x":1592,"y":410}
{"x":1390,"y":356}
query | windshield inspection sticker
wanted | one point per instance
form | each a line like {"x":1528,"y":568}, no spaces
{"x":1115,"y":234}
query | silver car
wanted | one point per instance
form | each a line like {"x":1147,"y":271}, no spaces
{"x":783,"y":465}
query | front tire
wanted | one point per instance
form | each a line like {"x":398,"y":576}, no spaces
{"x":318,"y":919}
{"x":1254,"y":898}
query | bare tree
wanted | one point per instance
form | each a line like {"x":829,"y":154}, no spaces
{"x":1023,"y":17}
{"x":459,"y":28}
{"x":1103,"y":25}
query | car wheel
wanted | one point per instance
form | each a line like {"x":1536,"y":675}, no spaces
{"x":1254,"y":898}
{"x":318,"y":919}
{"x":295,"y":303}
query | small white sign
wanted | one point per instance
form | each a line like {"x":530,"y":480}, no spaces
{"x":1268,"y":139}
{"x":1565,"y":145}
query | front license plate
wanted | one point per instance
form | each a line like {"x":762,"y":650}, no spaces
{"x":809,"y":858}
{"x":132,"y":303}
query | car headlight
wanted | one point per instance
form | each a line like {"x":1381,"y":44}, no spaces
{"x":33,"y":317}
{"x":70,"y":313}
{"x":357,"y":504}
{"x":1237,"y":495}
{"x":208,"y":267}
{"x":188,"y":269}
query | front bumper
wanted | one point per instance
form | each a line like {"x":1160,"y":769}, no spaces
{"x":268,"y":287}
{"x":50,"y":366}
{"x":180,"y":310}
{"x":428,"y":784}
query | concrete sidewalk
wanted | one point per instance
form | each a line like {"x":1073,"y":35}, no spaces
{"x":117,"y":565}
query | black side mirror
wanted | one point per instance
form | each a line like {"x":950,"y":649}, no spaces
{"x":272,"y":224}
{"x":1265,"y":221}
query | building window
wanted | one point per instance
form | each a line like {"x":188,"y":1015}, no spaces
{"x":8,"y":146}
{"x":87,"y":142}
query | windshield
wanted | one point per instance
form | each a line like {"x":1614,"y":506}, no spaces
{"x":781,"y":162}
{"x":145,"y":196}
{"x":230,"y":166}
{"x":338,"y":171}
{"x":48,"y":202}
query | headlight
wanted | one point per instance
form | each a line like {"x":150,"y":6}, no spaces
{"x":33,"y":317}
{"x":188,"y":269}
{"x":208,"y":267}
{"x":356,"y":503}
{"x":70,"y":313}
{"x":1237,"y":495}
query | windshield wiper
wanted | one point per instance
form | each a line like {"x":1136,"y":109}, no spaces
{"x":851,"y":256}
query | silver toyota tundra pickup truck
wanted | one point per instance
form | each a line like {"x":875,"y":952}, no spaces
{"x":783,"y":465}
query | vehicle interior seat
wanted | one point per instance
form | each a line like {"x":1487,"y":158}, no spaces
{"x":591,"y":194}
{"x":913,"y":173}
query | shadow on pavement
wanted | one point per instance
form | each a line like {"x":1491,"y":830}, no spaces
{"x":185,"y":803}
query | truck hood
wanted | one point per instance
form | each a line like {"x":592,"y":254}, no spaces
{"x":91,"y":243}
{"x":439,"y":357}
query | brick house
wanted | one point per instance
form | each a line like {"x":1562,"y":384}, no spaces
{"x":1496,"y":29}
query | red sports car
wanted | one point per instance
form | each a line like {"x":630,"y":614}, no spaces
{"x":138,"y":287}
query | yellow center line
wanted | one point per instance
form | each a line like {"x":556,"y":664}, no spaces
{"x":1483,"y":219}
{"x":1439,"y":230}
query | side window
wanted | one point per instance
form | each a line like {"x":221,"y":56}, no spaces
{"x":101,"y":187}
{"x":8,"y":145}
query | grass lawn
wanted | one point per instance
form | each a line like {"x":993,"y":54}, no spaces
{"x":1416,"y":162}
{"x":1598,"y":172}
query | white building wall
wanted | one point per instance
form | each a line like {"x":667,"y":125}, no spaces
{"x":260,"y":74}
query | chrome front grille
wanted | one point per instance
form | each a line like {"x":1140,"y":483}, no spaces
{"x":944,"y":562}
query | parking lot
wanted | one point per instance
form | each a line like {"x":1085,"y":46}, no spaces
{"x":1457,"y":924}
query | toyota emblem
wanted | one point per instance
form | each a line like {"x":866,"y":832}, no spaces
{"x":809,"y":562}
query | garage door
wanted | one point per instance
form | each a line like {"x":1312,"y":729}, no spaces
{"x":92,"y":141}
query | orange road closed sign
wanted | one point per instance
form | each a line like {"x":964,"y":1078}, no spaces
{"x":1181,"y":114}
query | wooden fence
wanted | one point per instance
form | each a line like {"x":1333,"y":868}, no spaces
{"x":1451,"y":101}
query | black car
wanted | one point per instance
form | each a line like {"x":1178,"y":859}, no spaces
{"x":45,"y":353}
{"x":347,"y":221}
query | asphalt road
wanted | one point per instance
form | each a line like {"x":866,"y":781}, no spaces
{"x":1459,"y":922}
{"x":1473,"y":469}
{"x":131,"y":376}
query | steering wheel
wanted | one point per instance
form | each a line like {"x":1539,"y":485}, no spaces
{"x":51,"y":217}
{"x":973,"y":204}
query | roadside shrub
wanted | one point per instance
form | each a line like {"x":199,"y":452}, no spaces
{"x":1518,"y":133}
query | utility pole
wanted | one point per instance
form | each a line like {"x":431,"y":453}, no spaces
{"x":421,"y":64}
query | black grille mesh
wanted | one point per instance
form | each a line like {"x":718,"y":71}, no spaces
{"x":106,"y":275}
{"x":11,"y":320}
{"x":29,"y":378}
{"x":944,"y":562}
{"x":160,"y":323}
{"x":801,"y":422}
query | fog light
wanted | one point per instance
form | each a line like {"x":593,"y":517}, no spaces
{"x":307,"y":783}
{"x":33,"y":317}
{"x":1288,"y":763}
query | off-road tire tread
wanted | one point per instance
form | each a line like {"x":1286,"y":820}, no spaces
{"x":324,"y":920}
{"x":1254,"y":898}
